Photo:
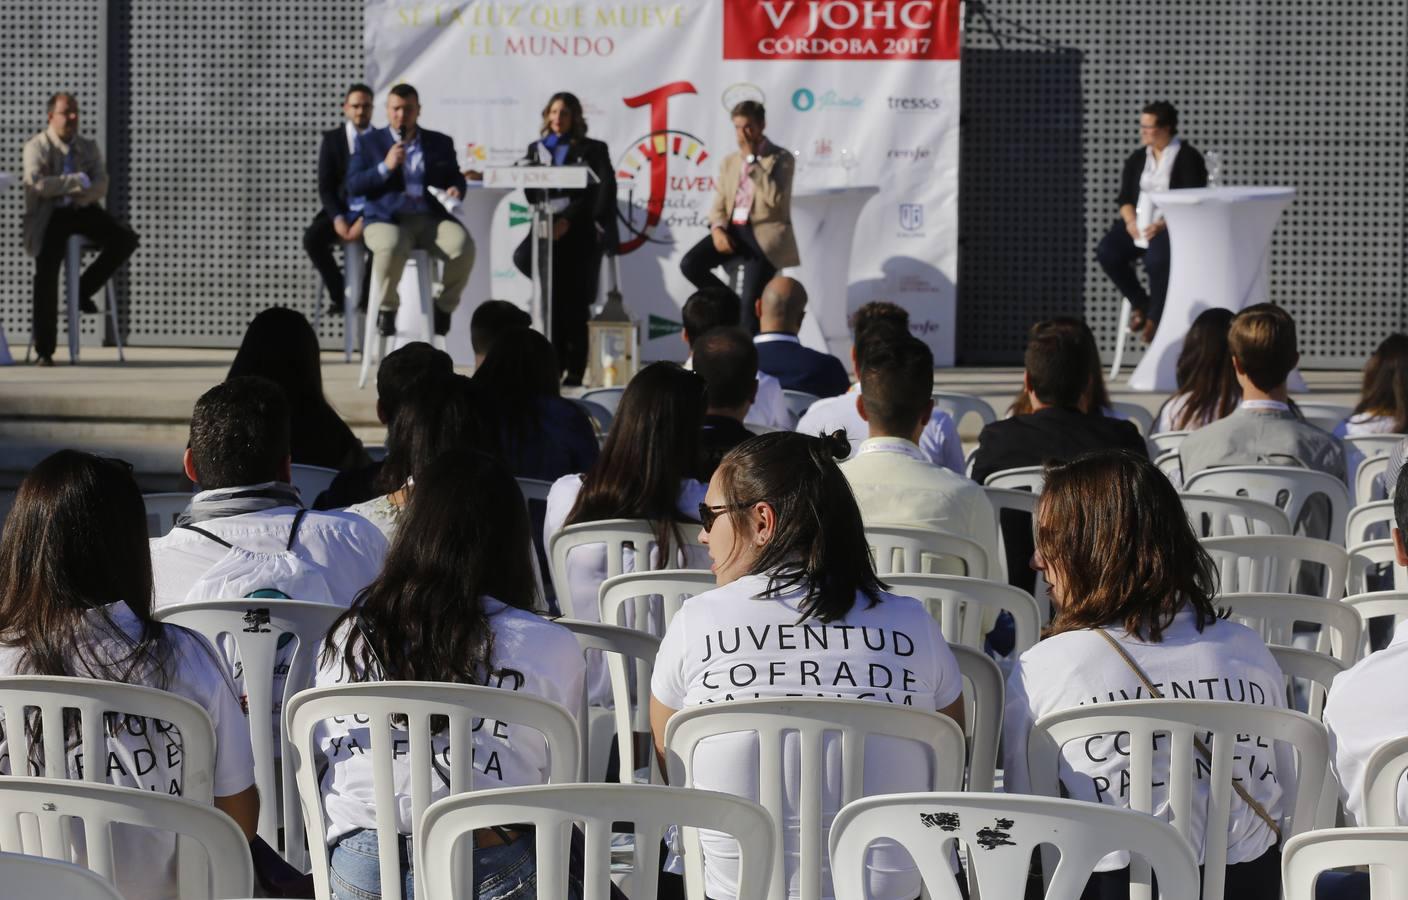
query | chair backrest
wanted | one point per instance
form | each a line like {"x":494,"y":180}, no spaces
{"x":22,"y":877}
{"x":616,"y":534}
{"x":1007,"y":828}
{"x":599,"y":415}
{"x":553,"y":811}
{"x":1383,"y":850}
{"x":798,"y":402}
{"x":162,"y":510}
{"x":1383,"y":782}
{"x":1168,"y":440}
{"x":1325,"y":416}
{"x":1218,"y":723}
{"x":1316,"y":669}
{"x":938,"y":737}
{"x":1368,"y":558}
{"x":1272,"y":563}
{"x":1288,"y":487}
{"x":53,"y":805}
{"x":964,"y":605}
{"x":1369,"y":522}
{"x":1171,"y":464}
{"x":626,"y":599}
{"x":1373,"y":604}
{"x":907,"y":548}
{"x":1011,"y":500}
{"x":608,"y":398}
{"x":311,"y":480}
{"x":958,"y":405}
{"x":417,"y":701}
{"x":1022,"y":478}
{"x":983,"y":693}
{"x":377,"y":452}
{"x":278,"y":642}
{"x":630,"y":660}
{"x":534,"y":489}
{"x":1274,"y":617}
{"x":1368,"y":480}
{"x":1136,"y":413}
{"x":1213,"y":515}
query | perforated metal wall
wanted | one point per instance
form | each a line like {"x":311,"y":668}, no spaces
{"x":1288,"y":91}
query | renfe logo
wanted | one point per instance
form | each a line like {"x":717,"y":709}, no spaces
{"x":841,"y":29}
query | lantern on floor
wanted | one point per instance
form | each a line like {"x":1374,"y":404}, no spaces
{"x":613,"y":339}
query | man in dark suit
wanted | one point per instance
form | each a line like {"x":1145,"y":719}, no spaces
{"x":340,"y":218}
{"x":394,"y":170}
{"x":780,"y":311}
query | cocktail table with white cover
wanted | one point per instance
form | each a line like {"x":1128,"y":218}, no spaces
{"x":1220,"y":241}
{"x":824,"y":221}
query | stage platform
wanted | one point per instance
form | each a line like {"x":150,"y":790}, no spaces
{"x":140,"y":410}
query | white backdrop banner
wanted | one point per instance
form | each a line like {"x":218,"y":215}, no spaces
{"x":865,"y":92}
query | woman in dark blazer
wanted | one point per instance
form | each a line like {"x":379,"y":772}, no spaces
{"x":1163,"y":162}
{"x":584,"y":227}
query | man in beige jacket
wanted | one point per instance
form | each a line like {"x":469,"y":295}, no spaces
{"x":750,"y":219}
{"x":65,"y":181}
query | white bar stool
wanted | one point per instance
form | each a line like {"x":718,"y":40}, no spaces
{"x":373,"y":344}
{"x":1121,"y":335}
{"x":73,"y":266}
{"x":354,"y":269}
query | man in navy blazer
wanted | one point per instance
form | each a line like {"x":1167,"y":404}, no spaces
{"x":780,"y":354}
{"x":393,"y":170}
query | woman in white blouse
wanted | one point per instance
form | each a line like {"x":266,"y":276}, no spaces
{"x":1124,"y":565}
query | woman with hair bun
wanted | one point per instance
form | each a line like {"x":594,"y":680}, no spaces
{"x":798,"y":612}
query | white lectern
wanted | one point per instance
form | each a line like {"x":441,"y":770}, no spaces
{"x":824,"y":221}
{"x":1220,"y":242}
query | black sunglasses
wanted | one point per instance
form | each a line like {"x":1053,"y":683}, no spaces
{"x":709,"y":514}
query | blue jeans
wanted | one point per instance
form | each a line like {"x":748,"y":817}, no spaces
{"x":504,"y":872}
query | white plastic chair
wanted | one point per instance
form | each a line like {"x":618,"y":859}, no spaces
{"x":962,"y":606}
{"x":1022,"y":478}
{"x":1368,"y":480}
{"x":958,"y":405}
{"x":808,"y":721}
{"x":24,"y":877}
{"x":417,"y":701}
{"x":1182,"y":720}
{"x":534,"y":489}
{"x":630,"y":695}
{"x":634,"y":591}
{"x":1136,"y":413}
{"x":1214,"y":515}
{"x":906,"y":548}
{"x":616,"y":534}
{"x":1370,"y":557}
{"x":1171,"y":464}
{"x":1285,"y":486}
{"x":373,"y":344}
{"x":608,"y":398}
{"x":53,"y":806}
{"x":599,"y":415}
{"x":1018,"y":501}
{"x":257,"y":627}
{"x":1121,"y":337}
{"x":1383,"y":781}
{"x":798,"y":402}
{"x":1369,"y":522}
{"x":354,"y":271}
{"x":1317,"y":669}
{"x":1271,"y":563}
{"x":1274,"y":617}
{"x":983,"y":697}
{"x":1168,"y":440}
{"x":926,"y":824}
{"x":162,"y":510}
{"x":311,"y":480}
{"x":1371,"y":605}
{"x":1383,"y":850}
{"x":1325,"y":416}
{"x":553,"y":811}
{"x":377,"y":452}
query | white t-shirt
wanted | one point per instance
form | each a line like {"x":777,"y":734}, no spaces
{"x":939,"y":440}
{"x":730,"y":644}
{"x":1226,"y":661}
{"x":1366,"y":708}
{"x":586,"y":568}
{"x":144,"y":756}
{"x":549,"y":660}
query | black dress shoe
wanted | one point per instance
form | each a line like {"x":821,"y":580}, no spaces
{"x":386,"y":323}
{"x":44,"y":361}
{"x":335,"y":309}
{"x":87,"y":306}
{"x":442,"y":321}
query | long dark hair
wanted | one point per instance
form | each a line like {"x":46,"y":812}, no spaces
{"x":443,"y":415}
{"x":1204,"y":373}
{"x":463,"y":536}
{"x":1114,"y":529}
{"x":579,"y":121}
{"x":819,"y":542}
{"x":74,"y":542}
{"x":652,"y":447}
{"x":1385,"y":391}
{"x":519,"y":371}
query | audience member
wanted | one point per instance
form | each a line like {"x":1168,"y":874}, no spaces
{"x":780,"y":311}
{"x":1096,"y":396}
{"x":1056,"y":383}
{"x":893,"y":481}
{"x":543,"y":435}
{"x":790,"y":556}
{"x":413,"y":623}
{"x":442,"y":418}
{"x":717,"y":307}
{"x":398,"y":375}
{"x":1128,"y":577}
{"x":248,"y":518}
{"x":1262,"y":343}
{"x":491,"y":319}
{"x":1207,"y":385}
{"x":76,"y":601}
{"x":874,"y":324}
{"x":727,"y":360}
{"x":280,"y":345}
{"x":1383,"y":400}
{"x":643,"y":473}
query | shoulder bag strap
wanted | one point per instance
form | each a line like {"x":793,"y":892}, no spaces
{"x":1202,"y":748}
